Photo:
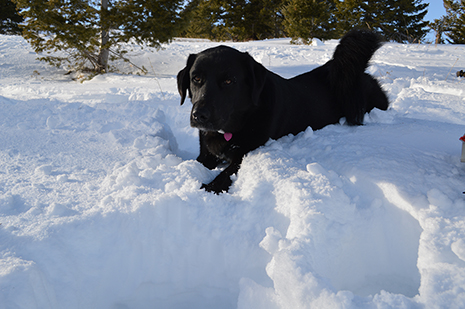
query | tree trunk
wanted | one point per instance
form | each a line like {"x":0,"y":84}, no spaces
{"x":104,"y":38}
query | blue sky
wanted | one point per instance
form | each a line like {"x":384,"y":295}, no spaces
{"x":435,"y":9}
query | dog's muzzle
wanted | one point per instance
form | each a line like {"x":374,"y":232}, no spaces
{"x":201,"y":117}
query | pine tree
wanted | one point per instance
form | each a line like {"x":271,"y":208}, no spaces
{"x":236,"y":20}
{"x":147,"y":21}
{"x":349,"y":15}
{"x":396,"y":20}
{"x":308,"y":19}
{"x":9,"y":18}
{"x":373,"y":14}
{"x":202,"y":18}
{"x":370,"y":14}
{"x":90,"y":30}
{"x":454,"y":21}
{"x":273,"y":18}
{"x":404,"y":21}
{"x":206,"y":19}
{"x":253,"y":20}
{"x":236,"y":16}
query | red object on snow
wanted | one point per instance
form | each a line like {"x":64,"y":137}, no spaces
{"x":463,"y":138}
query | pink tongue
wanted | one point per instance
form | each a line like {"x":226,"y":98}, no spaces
{"x":227,"y":136}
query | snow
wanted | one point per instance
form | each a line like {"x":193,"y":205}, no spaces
{"x":100,"y":205}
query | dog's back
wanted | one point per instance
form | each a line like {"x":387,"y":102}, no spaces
{"x":339,"y":88}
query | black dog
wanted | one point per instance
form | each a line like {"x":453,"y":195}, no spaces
{"x":238,"y":104}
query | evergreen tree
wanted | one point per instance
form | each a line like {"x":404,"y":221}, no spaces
{"x":253,"y":20}
{"x":454,"y":21}
{"x":236,"y":20}
{"x":202,"y":18}
{"x":147,"y":21}
{"x":308,"y":19}
{"x":349,"y":14}
{"x":404,"y":21}
{"x":373,"y":14}
{"x":9,"y":18}
{"x":273,"y":18}
{"x":236,"y":17}
{"x":89,"y":30}
{"x":205,"y":19}
{"x":396,"y":20}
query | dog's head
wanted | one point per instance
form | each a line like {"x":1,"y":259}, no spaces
{"x":224,"y":86}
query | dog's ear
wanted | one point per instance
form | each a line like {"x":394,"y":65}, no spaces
{"x":184,"y":78}
{"x":258,"y":74}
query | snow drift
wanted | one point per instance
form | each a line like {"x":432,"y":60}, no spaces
{"x":100,"y":205}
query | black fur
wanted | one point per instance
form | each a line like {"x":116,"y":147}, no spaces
{"x":233,"y":93}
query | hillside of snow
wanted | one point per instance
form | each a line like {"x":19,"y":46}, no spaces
{"x":100,"y":205}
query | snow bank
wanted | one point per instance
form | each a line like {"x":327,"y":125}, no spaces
{"x":100,"y":205}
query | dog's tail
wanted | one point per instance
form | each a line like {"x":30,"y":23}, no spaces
{"x":347,"y":73}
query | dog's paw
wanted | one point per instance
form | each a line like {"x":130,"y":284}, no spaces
{"x":219,"y":185}
{"x":212,"y":188}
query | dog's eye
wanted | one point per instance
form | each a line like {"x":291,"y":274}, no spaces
{"x":197,"y":79}
{"x":228,"y":81}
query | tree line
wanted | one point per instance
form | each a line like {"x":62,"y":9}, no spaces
{"x":92,"y":31}
{"x":304,"y":20}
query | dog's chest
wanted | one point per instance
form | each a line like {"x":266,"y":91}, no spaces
{"x":217,"y":145}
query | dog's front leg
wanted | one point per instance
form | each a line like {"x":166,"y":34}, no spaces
{"x":208,"y":160}
{"x":205,"y":157}
{"x":223,"y":181}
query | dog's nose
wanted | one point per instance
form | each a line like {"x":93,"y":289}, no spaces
{"x":201,"y":115}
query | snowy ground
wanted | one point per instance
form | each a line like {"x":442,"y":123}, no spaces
{"x":100,"y":205}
